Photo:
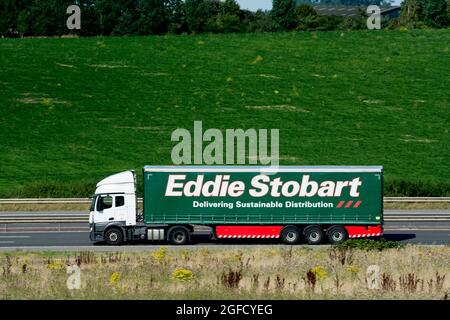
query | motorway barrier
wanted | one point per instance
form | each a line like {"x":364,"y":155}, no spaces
{"x":83,"y":217}
{"x":88,"y":201}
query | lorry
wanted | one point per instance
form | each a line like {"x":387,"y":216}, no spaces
{"x":289,"y":203}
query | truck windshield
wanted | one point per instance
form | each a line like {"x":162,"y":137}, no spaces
{"x":92,"y":203}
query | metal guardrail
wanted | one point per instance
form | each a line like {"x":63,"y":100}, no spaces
{"x":87,"y":200}
{"x":81,"y":217}
{"x":46,"y":201}
{"x":45,"y":217}
{"x":68,"y":218}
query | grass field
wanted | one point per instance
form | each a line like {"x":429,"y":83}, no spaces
{"x":76,"y":110}
{"x":413,"y":272}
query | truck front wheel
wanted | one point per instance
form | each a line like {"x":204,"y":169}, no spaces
{"x":313,"y":235}
{"x":114,"y":237}
{"x":179,"y":236}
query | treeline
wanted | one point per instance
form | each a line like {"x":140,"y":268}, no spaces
{"x":146,"y":17}
{"x":346,"y":2}
{"x":425,"y":13}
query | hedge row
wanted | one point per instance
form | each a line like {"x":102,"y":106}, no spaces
{"x":145,"y":17}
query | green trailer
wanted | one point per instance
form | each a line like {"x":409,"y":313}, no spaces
{"x":292,"y":203}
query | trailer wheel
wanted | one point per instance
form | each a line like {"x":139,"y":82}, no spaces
{"x":337,"y":234}
{"x":313,"y":235}
{"x":179,"y":236}
{"x":291,"y":235}
{"x":114,"y":237}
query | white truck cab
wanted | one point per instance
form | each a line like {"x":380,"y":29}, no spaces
{"x":114,"y":206}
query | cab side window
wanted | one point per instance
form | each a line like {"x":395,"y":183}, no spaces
{"x":120,"y":201}
{"x":104,"y":203}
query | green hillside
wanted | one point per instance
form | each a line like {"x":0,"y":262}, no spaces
{"x":76,"y":110}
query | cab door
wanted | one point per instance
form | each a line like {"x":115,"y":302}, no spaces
{"x":104,"y":208}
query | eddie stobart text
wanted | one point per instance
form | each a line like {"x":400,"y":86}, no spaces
{"x":260,"y":186}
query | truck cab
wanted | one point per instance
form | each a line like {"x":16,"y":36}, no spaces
{"x":113,"y":207}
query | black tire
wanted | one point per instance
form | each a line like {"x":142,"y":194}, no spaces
{"x":179,"y":236}
{"x":337,"y":234}
{"x":114,"y":237}
{"x":291,"y":235}
{"x":313,"y":235}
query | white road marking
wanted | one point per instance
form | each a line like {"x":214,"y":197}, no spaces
{"x":15,"y":236}
{"x":7,"y":242}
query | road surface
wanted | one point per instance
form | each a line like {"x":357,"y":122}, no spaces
{"x":430,"y":233}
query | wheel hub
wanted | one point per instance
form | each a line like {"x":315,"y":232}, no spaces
{"x":179,"y":236}
{"x":337,"y":236}
{"x":113,"y":236}
{"x":314,"y":236}
{"x":291,"y":236}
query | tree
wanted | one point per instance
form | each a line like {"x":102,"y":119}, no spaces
{"x":346,"y":2}
{"x":261,"y":21}
{"x":89,"y":18}
{"x":153,"y":17}
{"x":229,"y":18}
{"x":48,"y":17}
{"x":107,"y":13}
{"x":126,"y":22}
{"x":411,"y":14}
{"x":231,"y":7}
{"x":306,"y":17}
{"x":177,"y":17}
{"x":9,"y":14}
{"x":23,"y":22}
{"x":415,"y":13}
{"x":192,"y":15}
{"x":198,"y":12}
{"x":304,"y":11}
{"x":283,"y":14}
{"x":435,"y":13}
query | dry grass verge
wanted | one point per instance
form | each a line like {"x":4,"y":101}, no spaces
{"x":411,"y":272}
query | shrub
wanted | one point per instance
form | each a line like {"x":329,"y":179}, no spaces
{"x":160,"y":255}
{"x":183,"y":275}
{"x":55,"y":264}
{"x":114,"y":278}
{"x":407,"y":188}
{"x":319,"y":272}
{"x":260,"y":22}
{"x":231,"y":278}
{"x":369,"y":244}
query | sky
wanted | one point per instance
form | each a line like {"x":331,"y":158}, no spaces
{"x":254,"y":5}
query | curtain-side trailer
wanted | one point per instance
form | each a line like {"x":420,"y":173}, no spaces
{"x":290,"y":203}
